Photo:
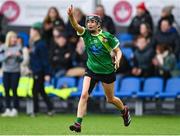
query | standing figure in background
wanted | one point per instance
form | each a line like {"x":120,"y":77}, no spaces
{"x":40,"y":67}
{"x":52,"y":19}
{"x":2,"y":41}
{"x":100,"y":65}
{"x":11,"y":57}
{"x":25,"y":71}
{"x":3,"y":25}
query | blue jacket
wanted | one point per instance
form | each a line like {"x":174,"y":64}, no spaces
{"x":39,"y":58}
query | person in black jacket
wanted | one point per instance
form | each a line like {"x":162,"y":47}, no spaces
{"x":60,"y":54}
{"x":39,"y":66}
{"x":142,"y":16}
{"x":143,"y":56}
{"x":107,"y":22}
{"x":3,"y":25}
{"x":167,"y":13}
{"x":52,"y":19}
{"x":167,"y":36}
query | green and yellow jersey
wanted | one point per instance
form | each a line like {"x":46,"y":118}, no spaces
{"x":98,"y":48}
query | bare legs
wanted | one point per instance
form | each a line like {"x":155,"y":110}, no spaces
{"x":109,"y":91}
{"x":82,"y":106}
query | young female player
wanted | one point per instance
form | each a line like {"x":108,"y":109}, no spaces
{"x":100,"y":66}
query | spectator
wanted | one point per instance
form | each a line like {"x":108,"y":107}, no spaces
{"x":60,"y":55}
{"x":40,"y":67}
{"x":25,"y":71}
{"x":2,"y":40}
{"x":146,"y":31}
{"x":167,"y":13}
{"x":52,"y":19}
{"x":143,"y":56}
{"x":3,"y":25}
{"x":165,"y":62}
{"x":107,"y":22}
{"x":80,"y":17}
{"x":11,"y":58}
{"x":168,"y":37}
{"x":142,"y":16}
{"x":79,"y":60}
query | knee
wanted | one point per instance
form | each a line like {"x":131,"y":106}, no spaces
{"x":84,"y":96}
{"x":110,"y":100}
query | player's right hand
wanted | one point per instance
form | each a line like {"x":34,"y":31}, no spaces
{"x":116,"y":62}
{"x":70,"y":11}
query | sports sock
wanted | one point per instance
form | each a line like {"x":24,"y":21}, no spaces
{"x":79,"y":120}
{"x":123,"y":111}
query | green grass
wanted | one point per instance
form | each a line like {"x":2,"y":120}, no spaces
{"x":92,"y":124}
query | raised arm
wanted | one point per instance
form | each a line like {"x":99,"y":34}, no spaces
{"x":73,"y":21}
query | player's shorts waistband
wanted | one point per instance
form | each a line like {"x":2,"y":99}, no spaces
{"x":106,"y":78}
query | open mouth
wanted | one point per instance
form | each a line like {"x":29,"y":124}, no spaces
{"x":90,"y":27}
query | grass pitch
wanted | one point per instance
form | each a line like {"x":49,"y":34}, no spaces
{"x":93,"y":124}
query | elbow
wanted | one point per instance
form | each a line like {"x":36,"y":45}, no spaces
{"x":117,"y":51}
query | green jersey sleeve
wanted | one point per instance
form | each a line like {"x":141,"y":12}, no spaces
{"x":113,"y":41}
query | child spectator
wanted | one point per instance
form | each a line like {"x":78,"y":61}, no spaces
{"x":25,"y":71}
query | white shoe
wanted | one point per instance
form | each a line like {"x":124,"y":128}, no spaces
{"x":13,"y":113}
{"x":7,"y":113}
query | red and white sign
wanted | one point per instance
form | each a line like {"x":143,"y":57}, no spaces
{"x":11,"y":10}
{"x":122,"y":11}
{"x":26,"y":12}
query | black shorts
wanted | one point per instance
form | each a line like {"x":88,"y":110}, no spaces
{"x":105,"y":78}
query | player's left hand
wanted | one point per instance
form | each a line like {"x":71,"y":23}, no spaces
{"x":70,"y":11}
